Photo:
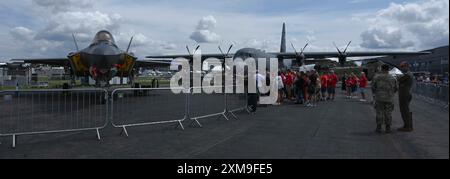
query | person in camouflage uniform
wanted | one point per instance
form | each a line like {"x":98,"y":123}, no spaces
{"x":384,"y":86}
{"x":405,"y":83}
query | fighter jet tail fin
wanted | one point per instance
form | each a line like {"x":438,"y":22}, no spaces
{"x":129,"y":44}
{"x":75,"y":41}
{"x":283,"y":39}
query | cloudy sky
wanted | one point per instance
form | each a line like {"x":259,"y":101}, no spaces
{"x":43,"y":28}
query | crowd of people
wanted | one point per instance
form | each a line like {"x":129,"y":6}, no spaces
{"x":352,"y":84}
{"x":310,"y":87}
{"x":433,"y":78}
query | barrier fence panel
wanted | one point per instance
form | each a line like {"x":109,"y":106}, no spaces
{"x":433,"y":93}
{"x":204,"y":105}
{"x":236,"y":102}
{"x":147,"y":106}
{"x":51,"y":111}
{"x":69,"y":110}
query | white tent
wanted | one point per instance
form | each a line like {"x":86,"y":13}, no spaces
{"x":306,"y":68}
{"x":395,"y":72}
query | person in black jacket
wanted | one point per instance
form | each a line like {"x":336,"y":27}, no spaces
{"x":343,"y":87}
{"x":299,"y":85}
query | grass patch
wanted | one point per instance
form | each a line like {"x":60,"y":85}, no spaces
{"x":147,"y":81}
{"x":58,"y":84}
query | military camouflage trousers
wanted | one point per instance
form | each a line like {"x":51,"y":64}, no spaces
{"x":384,"y":112}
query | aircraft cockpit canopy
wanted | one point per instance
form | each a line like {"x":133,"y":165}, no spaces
{"x":102,"y":36}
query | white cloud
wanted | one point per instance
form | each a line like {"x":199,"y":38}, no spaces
{"x":384,"y":38}
{"x":263,"y":44}
{"x":204,"y":32}
{"x":61,"y":18}
{"x":143,"y":44}
{"x":161,"y":27}
{"x":358,"y":1}
{"x":25,"y":38}
{"x":177,"y":23}
{"x":421,"y":24}
{"x":140,"y":40}
{"x":63,"y":5}
{"x":22,"y":33}
{"x":84,"y":24}
{"x":53,"y":38}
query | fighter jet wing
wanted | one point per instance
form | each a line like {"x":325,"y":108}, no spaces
{"x":368,"y":54}
{"x":47,"y":61}
{"x":287,"y":55}
{"x":372,"y":60}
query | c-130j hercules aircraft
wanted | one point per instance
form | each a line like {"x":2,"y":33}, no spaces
{"x":102,"y":60}
{"x":299,"y":57}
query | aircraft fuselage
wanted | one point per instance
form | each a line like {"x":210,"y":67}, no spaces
{"x":102,"y":60}
{"x":245,"y":53}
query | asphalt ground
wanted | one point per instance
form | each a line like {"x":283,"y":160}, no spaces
{"x":343,"y":128}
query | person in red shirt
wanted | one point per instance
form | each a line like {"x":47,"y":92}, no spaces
{"x":283,"y":79}
{"x":332,"y":81}
{"x":348,"y":85}
{"x":353,"y":84}
{"x":323,"y":86}
{"x":362,"y":86}
{"x":288,"y":85}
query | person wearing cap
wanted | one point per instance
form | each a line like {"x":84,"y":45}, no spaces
{"x":405,"y":83}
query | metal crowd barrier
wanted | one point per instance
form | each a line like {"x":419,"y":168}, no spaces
{"x":205,"y":105}
{"x":30,"y":112}
{"x":69,"y":110}
{"x":147,"y":106}
{"x":433,"y":93}
{"x":236,"y":102}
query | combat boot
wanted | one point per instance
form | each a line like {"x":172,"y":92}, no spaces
{"x":378,"y":129}
{"x":388,"y":129}
{"x":408,"y":125}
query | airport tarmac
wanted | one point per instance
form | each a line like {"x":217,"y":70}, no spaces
{"x":343,"y":128}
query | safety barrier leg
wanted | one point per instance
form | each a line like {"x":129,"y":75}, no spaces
{"x":98,"y":134}
{"x":223,"y":115}
{"x":232,"y":114}
{"x":226,"y":109}
{"x":124,"y":131}
{"x":14,"y":141}
{"x":179,"y":125}
{"x":232,"y":111}
{"x":196,"y":121}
